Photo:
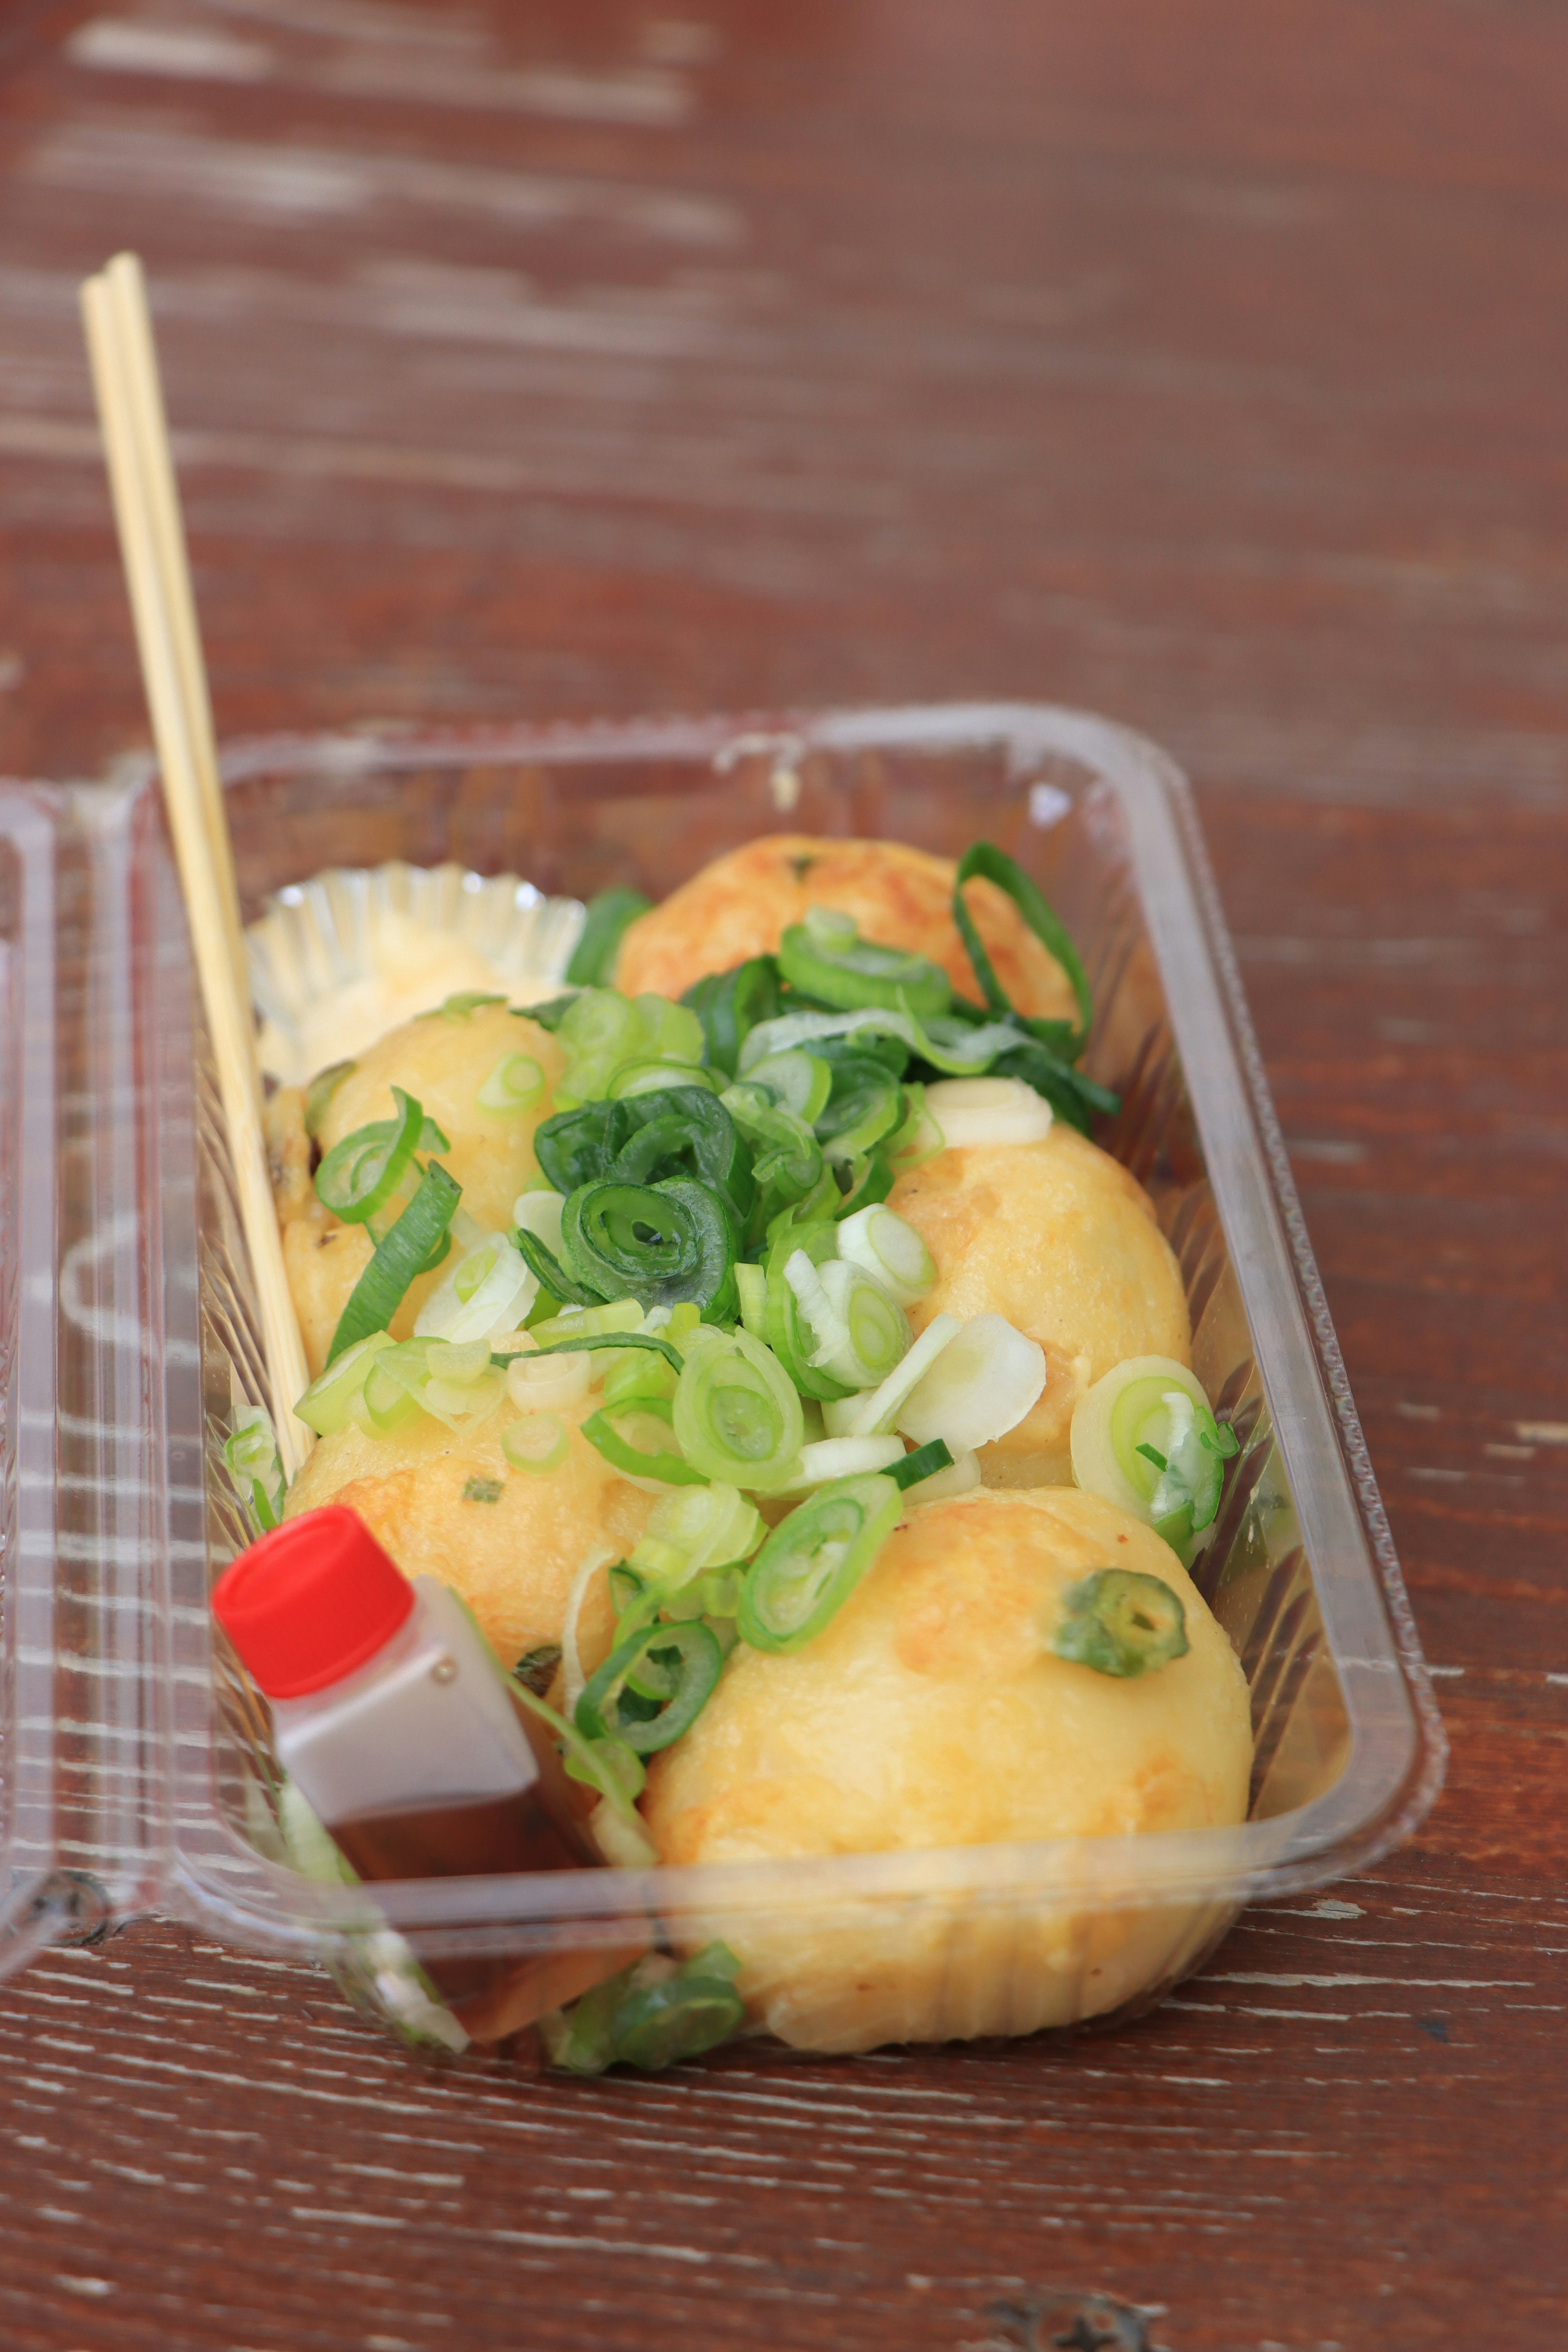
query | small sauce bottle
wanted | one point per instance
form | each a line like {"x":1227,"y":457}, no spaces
{"x":394,"y":1719}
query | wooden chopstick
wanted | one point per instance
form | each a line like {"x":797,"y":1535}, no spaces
{"x":139,"y":356}
{"x":157,"y":576}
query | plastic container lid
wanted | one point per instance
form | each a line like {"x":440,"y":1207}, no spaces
{"x":310,"y":1603}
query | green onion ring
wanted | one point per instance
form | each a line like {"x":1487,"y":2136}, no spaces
{"x":689,"y":1684}
{"x":1120,"y":1623}
{"x":737,"y":1417}
{"x":361,"y":1174}
{"x":814,"y":1559}
{"x":659,"y":2025}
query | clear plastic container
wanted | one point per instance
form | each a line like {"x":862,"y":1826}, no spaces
{"x":136,"y":1770}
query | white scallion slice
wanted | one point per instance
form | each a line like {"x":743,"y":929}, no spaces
{"x":489,"y":1290}
{"x":537,"y":1444}
{"x":984,"y":1384}
{"x":888,"y":1246}
{"x":876,"y":1412}
{"x":861,"y":1330}
{"x":826,"y":1326}
{"x":845,"y":1457}
{"x":546,"y":1383}
{"x":540,"y":1212}
{"x":988,"y":1111}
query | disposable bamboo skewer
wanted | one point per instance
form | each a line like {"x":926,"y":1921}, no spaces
{"x":151,"y":544}
{"x":139,"y":359}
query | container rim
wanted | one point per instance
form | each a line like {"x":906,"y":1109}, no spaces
{"x":1395,"y":1765}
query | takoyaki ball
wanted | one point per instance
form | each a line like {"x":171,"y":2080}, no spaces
{"x":1057,"y":1237}
{"x":932,"y":1712}
{"x":442,"y":1062}
{"x":510,"y":1542}
{"x":741,"y":904}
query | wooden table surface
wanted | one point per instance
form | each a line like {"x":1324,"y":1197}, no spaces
{"x":1204,"y":366}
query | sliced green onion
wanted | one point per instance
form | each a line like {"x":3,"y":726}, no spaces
{"x":607,"y":1765}
{"x":874,"y":1414}
{"x":399,"y":1257}
{"x":548,"y":1271}
{"x":832,"y":1458}
{"x":679,"y":1130}
{"x":688,"y":1660}
{"x":576,"y":1325}
{"x":730,"y":1005}
{"x":971,"y":1111}
{"x":752,"y":1285}
{"x":793,"y":1340}
{"x":876,"y":1330}
{"x":699,"y":1528}
{"x":540,"y":1214}
{"x":1120,"y":1623}
{"x":737,"y":1417}
{"x":983,"y":858}
{"x":865,"y":1180}
{"x":866,"y":1104}
{"x":488,"y":1291}
{"x":458,"y":1006}
{"x":786,"y":1158}
{"x":981,"y":1386}
{"x":251,"y":1458}
{"x":888,"y":1246}
{"x":360,"y":1174}
{"x":953,"y":1047}
{"x":599,"y":940}
{"x":825,"y":957}
{"x":324,"y":1407}
{"x":928,"y":1461}
{"x":1144,"y":1437}
{"x":580,"y":2040}
{"x":800,"y":1082}
{"x":657,"y":2025}
{"x":634,"y":1440}
{"x":601,"y":1030}
{"x":320,"y":1093}
{"x":961,"y":1478}
{"x":454,"y":1382}
{"x":638,"y":1373}
{"x":918,"y":1135}
{"x":664,"y":1243}
{"x":514,"y":1084}
{"x":814,"y":1559}
{"x":537,"y":1444}
{"x":546,"y":1381}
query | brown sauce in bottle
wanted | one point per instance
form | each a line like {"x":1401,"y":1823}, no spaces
{"x":530,"y":1829}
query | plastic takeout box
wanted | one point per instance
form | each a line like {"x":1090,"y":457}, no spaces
{"x":134,"y":1763}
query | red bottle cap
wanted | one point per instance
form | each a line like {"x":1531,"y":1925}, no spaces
{"x":310,"y":1603}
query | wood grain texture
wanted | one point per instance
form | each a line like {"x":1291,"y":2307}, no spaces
{"x":1205,"y":366}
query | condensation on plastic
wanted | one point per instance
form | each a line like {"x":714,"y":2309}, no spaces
{"x":136,"y":1769}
